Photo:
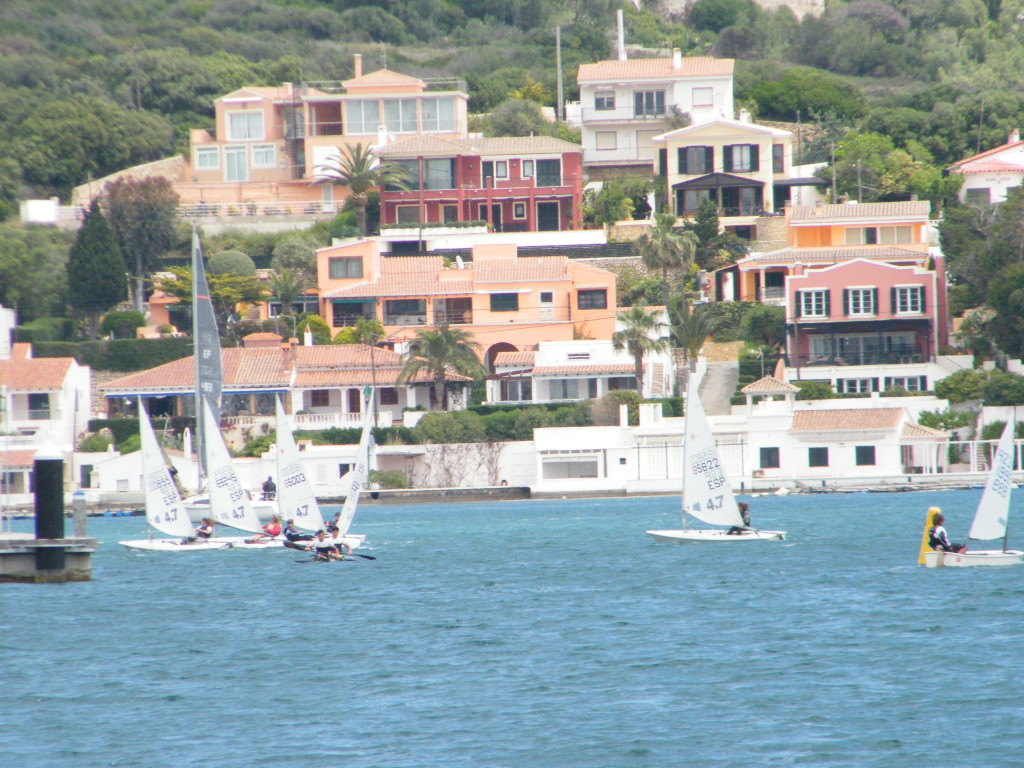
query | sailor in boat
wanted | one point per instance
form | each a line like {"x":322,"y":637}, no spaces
{"x":294,"y":534}
{"x":337,"y":538}
{"x":269,"y":489}
{"x":204,"y":531}
{"x":270,"y":531}
{"x":938,"y":540}
{"x":744,"y":509}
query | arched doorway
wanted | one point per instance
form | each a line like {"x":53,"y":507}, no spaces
{"x":492,"y":353}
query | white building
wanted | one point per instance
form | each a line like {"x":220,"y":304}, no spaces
{"x":625,"y":103}
{"x":990,"y":175}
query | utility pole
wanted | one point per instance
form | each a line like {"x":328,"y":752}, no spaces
{"x":835,"y":199}
{"x":372,"y":339}
{"x":560,"y":106}
{"x":859,"y":190}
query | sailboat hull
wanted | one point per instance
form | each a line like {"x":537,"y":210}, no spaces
{"x":694,"y":535}
{"x":198,"y":507}
{"x":175,"y":545}
{"x":981,"y":557}
{"x":353,"y":540}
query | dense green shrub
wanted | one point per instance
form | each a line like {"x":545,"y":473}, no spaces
{"x":44,"y":329}
{"x":730,"y":315}
{"x":118,"y":354}
{"x":95,"y":444}
{"x":122,"y":324}
{"x":389,"y":479}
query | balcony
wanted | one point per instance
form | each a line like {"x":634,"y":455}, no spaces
{"x":41,"y":414}
{"x":417,"y":319}
{"x":907,"y":357}
{"x":454,"y":317}
{"x":248,"y":210}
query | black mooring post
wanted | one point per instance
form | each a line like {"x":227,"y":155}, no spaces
{"x":49,"y":481}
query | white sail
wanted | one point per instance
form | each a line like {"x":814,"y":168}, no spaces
{"x":994,"y":507}
{"x":295,"y":497}
{"x":164,"y":508}
{"x":360,"y":474}
{"x":707,"y":494}
{"x":229,"y":501}
{"x":208,"y":371}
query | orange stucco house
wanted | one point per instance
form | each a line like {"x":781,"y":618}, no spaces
{"x":505,"y":301}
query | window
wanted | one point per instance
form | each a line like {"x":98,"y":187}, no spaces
{"x":504,"y":302}
{"x":604,"y":100}
{"x":979,"y":198}
{"x":407,"y":214}
{"x":817,"y":457}
{"x":813,"y":303}
{"x":860,"y":302}
{"x":406,"y":307}
{"x":546,"y":297}
{"x":362,"y":116}
{"x":703,"y":97}
{"x":501,"y":169}
{"x":895,"y":235}
{"x":438,"y":114}
{"x":412,"y":175}
{"x":341,"y":268}
{"x":564,"y":389}
{"x":648,"y":103}
{"x":439,"y":172}
{"x":778,"y":158}
{"x":388,"y":395}
{"x":909,"y":383}
{"x":449,"y":213}
{"x":865,"y":455}
{"x":908,"y":300}
{"x":39,"y":406}
{"x":235,"y":166}
{"x":400,"y":115}
{"x":860,"y":236}
{"x":528,"y":168}
{"x":770,"y":458}
{"x":320,"y":398}
{"x":692,"y":198}
{"x":207,"y":158}
{"x":696,"y":160}
{"x":516,"y":389}
{"x":852,"y":386}
{"x":263,"y":156}
{"x":549,"y":173}
{"x":621,"y":382}
{"x":606,"y":140}
{"x":518,"y":210}
{"x":740,"y":157}
{"x":245,"y":126}
{"x":596,"y":298}
{"x":592,"y":389}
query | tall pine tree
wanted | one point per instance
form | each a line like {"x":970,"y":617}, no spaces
{"x":96,"y":273}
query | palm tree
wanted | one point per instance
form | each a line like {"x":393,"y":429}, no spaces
{"x":661,"y":247}
{"x":360,"y":171}
{"x":440,"y":352}
{"x":287,"y":286}
{"x":691,"y":327}
{"x":640,"y":335}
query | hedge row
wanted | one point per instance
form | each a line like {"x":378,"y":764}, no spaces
{"x":125,"y":355}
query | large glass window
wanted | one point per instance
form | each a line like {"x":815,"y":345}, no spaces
{"x":549,"y":173}
{"x":236,"y":167}
{"x":341,"y":268}
{"x":440,"y":173}
{"x":648,"y":103}
{"x":596,"y":298}
{"x":516,"y":389}
{"x":438,"y":114}
{"x":412,"y":174}
{"x":564,"y":389}
{"x":740,"y":158}
{"x":778,"y":158}
{"x":504,"y":302}
{"x":362,"y":116}
{"x":39,"y":406}
{"x":243,"y":126}
{"x":400,"y":115}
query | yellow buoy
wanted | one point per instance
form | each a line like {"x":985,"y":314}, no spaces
{"x":932,"y":512}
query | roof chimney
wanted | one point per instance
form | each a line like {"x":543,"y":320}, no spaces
{"x":357,"y":65}
{"x":1014,"y":137}
{"x":677,"y":59}
{"x":622,"y":35}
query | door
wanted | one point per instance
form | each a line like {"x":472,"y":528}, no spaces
{"x":547,"y":217}
{"x":355,"y":401}
{"x":547,"y":305}
{"x":495,"y":221}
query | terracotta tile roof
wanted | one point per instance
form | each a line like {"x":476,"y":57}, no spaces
{"x":562,"y":370}
{"x":524,"y":269}
{"x":839,"y":253}
{"x":514,"y":358}
{"x":21,"y":350}
{"x":813,"y":214}
{"x":407,"y":276}
{"x":244,"y":370}
{"x":35,"y":374}
{"x":847,"y":419}
{"x":18,"y":459}
{"x":916,"y":430}
{"x":769,"y":385}
{"x":261,"y":337}
{"x":654,"y":69}
{"x":987,"y":153}
{"x":360,"y":378}
{"x":322,"y":356}
{"x":383,"y":77}
{"x":992,"y":166}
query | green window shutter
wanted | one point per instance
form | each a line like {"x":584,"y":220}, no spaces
{"x":874,"y":300}
{"x":755,"y":161}
{"x":924,"y":295}
{"x":727,"y":159}
{"x":798,"y":303}
{"x":828,"y":303}
{"x":892,"y":301}
{"x":681,"y":157}
{"x":709,"y":159}
{"x":846,"y":302}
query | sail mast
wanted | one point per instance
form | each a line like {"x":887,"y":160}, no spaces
{"x":206,"y":352}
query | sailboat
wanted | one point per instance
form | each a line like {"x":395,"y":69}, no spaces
{"x":707,"y":494}
{"x":359,"y":476}
{"x":295,"y":496}
{"x":165,"y":511}
{"x":989,"y":519}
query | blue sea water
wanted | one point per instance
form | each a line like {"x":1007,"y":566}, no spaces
{"x":528,"y":634}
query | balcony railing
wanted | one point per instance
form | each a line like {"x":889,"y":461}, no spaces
{"x":344,"y":321}
{"x":864,"y":358}
{"x":419,"y":319}
{"x":40,"y":414}
{"x":454,"y":317}
{"x":297,"y":208}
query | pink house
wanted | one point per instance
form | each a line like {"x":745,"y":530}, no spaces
{"x":888,"y":319}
